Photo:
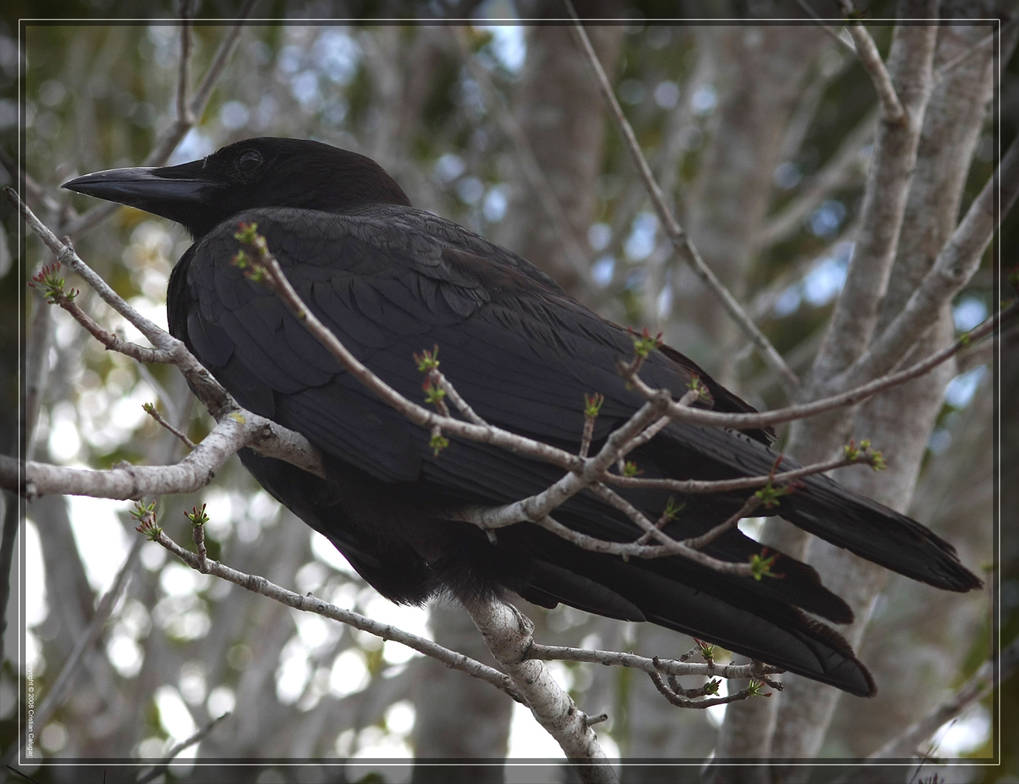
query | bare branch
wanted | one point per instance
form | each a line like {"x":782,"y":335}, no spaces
{"x":892,"y":110}
{"x":702,"y":541}
{"x":984,"y":353}
{"x":684,"y":247}
{"x":848,"y":45}
{"x":694,"y":486}
{"x":309,"y":603}
{"x":113,"y":342}
{"x":458,"y":402}
{"x":974,"y":690}
{"x":151,"y":410}
{"x":851,"y":397}
{"x":884,"y":205}
{"x":168,"y":140}
{"x":654,"y":664}
{"x":669,"y":545}
{"x":194,"y":471}
{"x":954,"y":266}
{"x":687,"y":697}
{"x":508,"y":636}
{"x":164,"y":764}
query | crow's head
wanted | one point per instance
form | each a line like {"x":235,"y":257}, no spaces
{"x":262,"y":172}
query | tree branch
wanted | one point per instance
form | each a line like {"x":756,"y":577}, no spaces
{"x":884,"y":205}
{"x":267,"y":437}
{"x":954,"y":266}
{"x":975,"y":689}
{"x":164,"y":764}
{"x":508,"y":636}
{"x":680,"y":241}
{"x":653,"y":664}
{"x":851,"y":397}
{"x":848,"y":45}
{"x":892,"y":110}
{"x":309,"y":603}
{"x":234,"y":431}
{"x":168,"y":140}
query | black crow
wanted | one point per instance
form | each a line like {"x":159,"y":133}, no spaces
{"x":391,"y":280}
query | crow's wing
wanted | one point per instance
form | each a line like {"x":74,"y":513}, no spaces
{"x":523,"y":355}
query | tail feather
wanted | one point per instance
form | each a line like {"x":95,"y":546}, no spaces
{"x":877,"y":533}
{"x":711,"y":606}
{"x":832,"y":512}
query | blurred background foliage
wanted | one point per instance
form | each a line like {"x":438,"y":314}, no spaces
{"x":468,"y":120}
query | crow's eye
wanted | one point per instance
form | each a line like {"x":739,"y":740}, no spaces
{"x":249,"y":161}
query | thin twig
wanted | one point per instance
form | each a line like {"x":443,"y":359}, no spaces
{"x":111,"y":341}
{"x":669,"y":545}
{"x":171,"y":136}
{"x":649,"y":664}
{"x":592,"y":405}
{"x":164,"y":764}
{"x":66,"y":255}
{"x":892,"y":110}
{"x":684,"y":247}
{"x":681,"y":700}
{"x":848,"y":45}
{"x":151,"y":410}
{"x":850,"y":397}
{"x":698,"y":486}
{"x":702,"y":541}
{"x":457,"y":400}
{"x":975,"y":689}
{"x":309,"y":603}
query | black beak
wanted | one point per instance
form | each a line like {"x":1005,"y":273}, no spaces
{"x":139,"y":186}
{"x":175,"y":192}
